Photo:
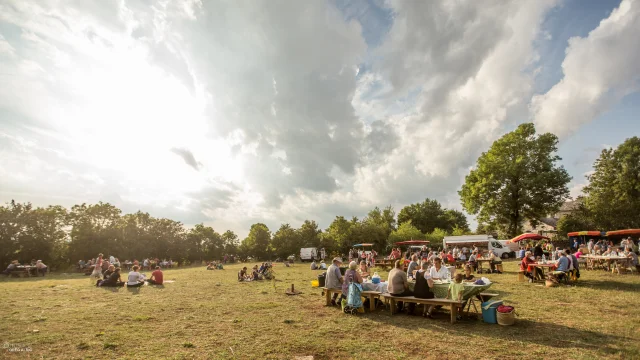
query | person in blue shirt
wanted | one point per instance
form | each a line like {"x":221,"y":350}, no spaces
{"x":521,"y":253}
{"x":563,"y":262}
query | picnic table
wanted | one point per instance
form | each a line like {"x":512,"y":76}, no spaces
{"x":548,"y":266}
{"x":480,"y":261}
{"x":25,"y":270}
{"x":380,"y":287}
{"x":606,"y":262}
{"x":440,"y":289}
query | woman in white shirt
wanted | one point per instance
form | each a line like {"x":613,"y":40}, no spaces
{"x":437,"y":271}
{"x":135,"y":279}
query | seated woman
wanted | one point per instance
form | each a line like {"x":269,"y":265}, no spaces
{"x":211,"y":266}
{"x":314,"y":266}
{"x":423,"y":287}
{"x":528,"y":270}
{"x":135,"y":279}
{"x":468,"y":276}
{"x":41,"y":268}
{"x":107,"y":273}
{"x":242,"y":274}
{"x":255,"y":275}
{"x":363,"y":270}
{"x":351,"y":275}
{"x":494,"y":261}
{"x":113,"y":280}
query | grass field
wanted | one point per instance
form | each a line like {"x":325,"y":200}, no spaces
{"x":209,"y":315}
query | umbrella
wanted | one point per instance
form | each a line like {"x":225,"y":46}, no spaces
{"x":586,"y":233}
{"x":527,"y":236}
{"x":362,"y":245}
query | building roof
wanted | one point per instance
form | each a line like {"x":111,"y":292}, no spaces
{"x":549,"y":221}
{"x":569,"y":206}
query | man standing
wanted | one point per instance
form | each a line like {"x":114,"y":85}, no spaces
{"x":112,"y":259}
{"x":334,"y":278}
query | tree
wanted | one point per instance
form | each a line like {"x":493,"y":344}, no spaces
{"x":406,"y":231}
{"x":613,"y":192}
{"x":286,"y":241}
{"x":578,"y":220}
{"x":337,"y":237}
{"x":309,"y":234}
{"x":258,"y":241}
{"x":230,"y":240}
{"x":516,"y":179}
{"x":429,"y":215}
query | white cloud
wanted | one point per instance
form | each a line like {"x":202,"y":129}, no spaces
{"x":599,"y":70}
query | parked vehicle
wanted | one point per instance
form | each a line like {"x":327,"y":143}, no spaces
{"x":308,"y":254}
{"x":482,"y":241}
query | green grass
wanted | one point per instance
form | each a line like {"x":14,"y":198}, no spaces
{"x":209,"y":315}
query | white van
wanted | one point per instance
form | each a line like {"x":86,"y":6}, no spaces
{"x":308,"y":254}
{"x":481,"y":241}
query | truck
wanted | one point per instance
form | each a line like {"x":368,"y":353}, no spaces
{"x":482,"y":241}
{"x":308,"y":254}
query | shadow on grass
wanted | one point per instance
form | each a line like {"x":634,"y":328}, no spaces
{"x":607,"y":285}
{"x":540,"y":333}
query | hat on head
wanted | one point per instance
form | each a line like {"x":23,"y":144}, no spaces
{"x":337,"y":259}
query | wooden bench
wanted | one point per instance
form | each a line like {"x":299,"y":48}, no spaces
{"x":328,"y":292}
{"x":372,"y":296}
{"x":521,"y":276}
{"x":453,"y":304}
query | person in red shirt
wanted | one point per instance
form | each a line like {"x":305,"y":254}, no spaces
{"x":156,"y":277}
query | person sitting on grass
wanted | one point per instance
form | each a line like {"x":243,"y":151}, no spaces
{"x":135,"y":279}
{"x":468,"y":276}
{"x":242,"y":274}
{"x":108,"y":273}
{"x":157,"y":277}
{"x":423,"y":287}
{"x":255,"y":275}
{"x":314,"y":266}
{"x":399,"y":286}
{"x":334,"y":278}
{"x":363,"y":269}
{"x":455,"y":291}
{"x":113,"y":280}
{"x":211,"y":266}
{"x":323,"y":265}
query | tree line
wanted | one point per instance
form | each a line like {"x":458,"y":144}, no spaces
{"x":61,"y":236}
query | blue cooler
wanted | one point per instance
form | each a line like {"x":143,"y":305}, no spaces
{"x":489,"y":310}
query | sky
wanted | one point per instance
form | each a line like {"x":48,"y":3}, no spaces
{"x":229,"y":113}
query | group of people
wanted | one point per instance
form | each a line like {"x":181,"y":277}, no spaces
{"x":398,"y":281}
{"x":316,"y":266}
{"x":369,"y":257}
{"x":262,"y":272}
{"x":566,"y":264}
{"x":111,"y":276}
{"x":468,"y":256}
{"x":215,"y":265}
{"x":146,"y":264}
{"x":38,"y":265}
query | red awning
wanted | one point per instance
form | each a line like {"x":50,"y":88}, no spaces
{"x":627,"y":232}
{"x":585,"y":233}
{"x":412,"y":242}
{"x":527,"y":236}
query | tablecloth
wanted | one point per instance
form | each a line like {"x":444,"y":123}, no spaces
{"x":369,"y":286}
{"x":440,"y":290}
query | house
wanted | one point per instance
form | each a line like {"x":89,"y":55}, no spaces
{"x":547,"y":225}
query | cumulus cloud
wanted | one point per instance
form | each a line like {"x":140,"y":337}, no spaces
{"x":599,"y":70}
{"x":187,"y":156}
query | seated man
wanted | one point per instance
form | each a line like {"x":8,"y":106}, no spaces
{"x":113,"y":280}
{"x":473,"y":261}
{"x":323,"y":266}
{"x":256,"y":275}
{"x":563,"y":266}
{"x":334,"y":278}
{"x":399,"y":286}
{"x":157,"y":277}
{"x":494,"y":261}
{"x":242,"y":274}
{"x":135,"y":279}
{"x":314,"y":266}
{"x":13,"y":266}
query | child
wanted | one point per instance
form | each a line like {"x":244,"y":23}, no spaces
{"x":455,"y":291}
{"x":467,"y":273}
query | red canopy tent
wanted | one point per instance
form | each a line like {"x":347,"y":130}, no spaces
{"x":527,"y":236}
{"x":627,"y":232}
{"x":412,"y":242}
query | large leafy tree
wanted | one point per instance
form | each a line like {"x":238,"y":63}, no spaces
{"x":309,"y":234}
{"x":516,"y":179}
{"x":430,"y":215}
{"x":257,"y":243}
{"x":406,"y":231}
{"x":613,"y":193}
{"x":286,"y":241}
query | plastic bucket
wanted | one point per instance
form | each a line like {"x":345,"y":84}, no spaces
{"x":321,"y":279}
{"x":315,"y":283}
{"x":489,"y":311}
